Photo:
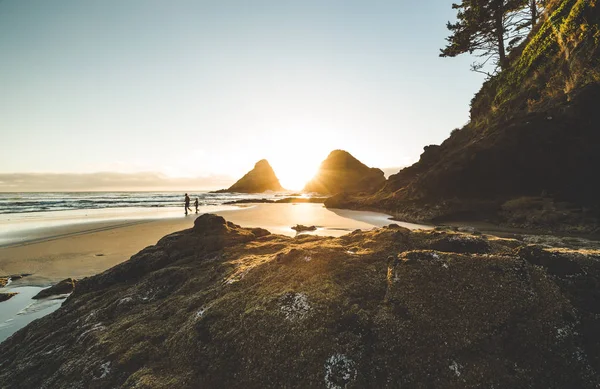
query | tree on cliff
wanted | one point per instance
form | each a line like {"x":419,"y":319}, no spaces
{"x":491,"y":28}
{"x":535,"y":8}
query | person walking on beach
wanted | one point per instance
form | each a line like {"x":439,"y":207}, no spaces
{"x":187,"y":204}
{"x":196,"y":204}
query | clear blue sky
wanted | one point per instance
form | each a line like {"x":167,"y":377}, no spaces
{"x":198,"y":88}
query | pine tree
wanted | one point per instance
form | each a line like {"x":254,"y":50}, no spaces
{"x":485,"y":27}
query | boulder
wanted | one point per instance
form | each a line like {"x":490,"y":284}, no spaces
{"x":64,"y":287}
{"x":6,"y":296}
{"x":303,"y":228}
{"x":461,"y":243}
{"x":557,"y":263}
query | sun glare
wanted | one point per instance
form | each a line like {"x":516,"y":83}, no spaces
{"x":293,"y":176}
{"x":296,"y":161}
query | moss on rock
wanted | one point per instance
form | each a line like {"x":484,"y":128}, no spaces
{"x":224,"y":306}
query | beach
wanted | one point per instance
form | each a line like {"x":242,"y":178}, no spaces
{"x":51,"y":246}
{"x":77,"y":248}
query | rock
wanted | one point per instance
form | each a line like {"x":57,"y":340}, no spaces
{"x":4,"y":281}
{"x":64,"y":287}
{"x":302,"y":228}
{"x":260,"y":179}
{"x":557,"y":263}
{"x":469,"y":230}
{"x":460,"y":243}
{"x":219,"y":305}
{"x":15,"y":277}
{"x":341,"y":172}
{"x":6,"y":296}
{"x":415,"y":256}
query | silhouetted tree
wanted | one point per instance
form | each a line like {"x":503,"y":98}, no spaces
{"x":535,"y":8}
{"x":489,"y":28}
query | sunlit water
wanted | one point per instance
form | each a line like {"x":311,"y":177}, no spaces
{"x":23,"y":213}
{"x":21,"y":309}
{"x":16,"y":203}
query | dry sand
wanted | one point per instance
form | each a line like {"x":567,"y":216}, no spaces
{"x":81,"y":250}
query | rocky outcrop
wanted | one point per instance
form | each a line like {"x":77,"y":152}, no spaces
{"x":341,"y":172}
{"x":7,"y":296}
{"x":218,"y":305}
{"x":260,"y":179}
{"x":302,"y":228}
{"x":529,"y":156}
{"x":64,"y":287}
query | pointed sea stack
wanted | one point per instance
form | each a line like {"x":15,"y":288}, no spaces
{"x":341,"y":172}
{"x":260,"y":179}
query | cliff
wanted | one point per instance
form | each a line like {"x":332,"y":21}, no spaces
{"x":341,"y":172}
{"x":260,"y":179}
{"x":529,"y":155}
{"x":223,"y":306}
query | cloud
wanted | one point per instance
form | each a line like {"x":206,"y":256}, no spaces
{"x":107,"y":181}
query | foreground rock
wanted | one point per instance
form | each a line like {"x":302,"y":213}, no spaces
{"x":260,"y":179}
{"x":223,"y":306}
{"x":341,"y":172}
{"x":63,"y":287}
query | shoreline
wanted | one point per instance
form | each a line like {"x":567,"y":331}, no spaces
{"x":82,"y":249}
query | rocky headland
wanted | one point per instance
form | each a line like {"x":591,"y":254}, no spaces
{"x":285,"y":200}
{"x":529,"y":156}
{"x":219,"y":305}
{"x":341,"y":172}
{"x":260,"y":179}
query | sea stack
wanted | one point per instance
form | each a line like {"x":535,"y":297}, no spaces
{"x":341,"y":172}
{"x":260,"y":179}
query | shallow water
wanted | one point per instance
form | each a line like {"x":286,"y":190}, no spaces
{"x":21,"y":309}
{"x":24,"y":214}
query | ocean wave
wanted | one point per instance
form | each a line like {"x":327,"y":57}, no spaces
{"x":47,"y":202}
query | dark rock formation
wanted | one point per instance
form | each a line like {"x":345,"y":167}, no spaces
{"x":286,"y":200}
{"x":6,"y":296}
{"x":5,"y":279}
{"x":218,"y":305}
{"x":63,"y":287}
{"x":15,"y":277}
{"x":341,"y":172}
{"x":303,"y":228}
{"x":529,"y":156}
{"x":260,"y":179}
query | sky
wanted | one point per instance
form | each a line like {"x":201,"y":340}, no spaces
{"x":206,"y":88}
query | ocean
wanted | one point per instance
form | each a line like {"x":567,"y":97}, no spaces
{"x":22,"y":214}
{"x":17,"y":203}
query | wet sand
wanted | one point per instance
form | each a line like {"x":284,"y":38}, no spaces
{"x":55,"y":253}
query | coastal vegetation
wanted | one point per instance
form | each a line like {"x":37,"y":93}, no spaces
{"x":532,"y":133}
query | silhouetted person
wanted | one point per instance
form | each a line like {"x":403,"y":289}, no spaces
{"x":187,"y":204}
{"x":196,"y":204}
